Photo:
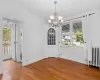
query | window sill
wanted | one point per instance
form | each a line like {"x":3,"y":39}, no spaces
{"x":72,"y":46}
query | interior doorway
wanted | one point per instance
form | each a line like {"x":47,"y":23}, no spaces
{"x":12,"y":41}
{"x":6,"y":43}
{"x":11,"y":47}
{"x":52,"y":42}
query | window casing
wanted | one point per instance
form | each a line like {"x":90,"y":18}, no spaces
{"x":66,"y":34}
{"x":72,"y":33}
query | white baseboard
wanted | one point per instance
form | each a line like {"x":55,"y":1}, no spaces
{"x":83,"y":62}
{"x":30,"y":62}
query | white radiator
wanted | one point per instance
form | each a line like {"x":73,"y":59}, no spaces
{"x":95,"y":57}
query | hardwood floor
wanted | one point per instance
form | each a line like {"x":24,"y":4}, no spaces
{"x":50,"y":69}
{"x":11,"y":70}
{"x":0,"y":76}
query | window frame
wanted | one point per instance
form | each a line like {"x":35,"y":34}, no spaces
{"x":71,"y":22}
{"x":68,"y":22}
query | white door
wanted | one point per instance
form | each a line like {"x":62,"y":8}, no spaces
{"x":16,"y":41}
{"x":21,"y":43}
{"x":52,"y":45}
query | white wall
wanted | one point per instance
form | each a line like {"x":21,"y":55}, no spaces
{"x":66,"y":52}
{"x":72,"y":53}
{"x":33,"y":29}
{"x":94,"y":23}
{"x":33,"y":39}
{"x":77,"y":53}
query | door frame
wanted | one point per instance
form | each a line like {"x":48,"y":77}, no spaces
{"x":1,"y":46}
{"x":16,"y":42}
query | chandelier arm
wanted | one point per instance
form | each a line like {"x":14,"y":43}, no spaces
{"x":60,"y":23}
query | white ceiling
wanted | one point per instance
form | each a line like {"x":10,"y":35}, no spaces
{"x":65,"y":8}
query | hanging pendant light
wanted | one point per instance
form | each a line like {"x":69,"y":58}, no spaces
{"x":55,"y":20}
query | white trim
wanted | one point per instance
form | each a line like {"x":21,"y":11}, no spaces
{"x":30,"y":62}
{"x":1,"y":46}
{"x":84,"y":13}
{"x":81,"y":46}
{"x":82,"y":62}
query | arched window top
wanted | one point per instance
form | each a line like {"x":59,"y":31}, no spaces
{"x":51,"y":36}
{"x":51,"y":30}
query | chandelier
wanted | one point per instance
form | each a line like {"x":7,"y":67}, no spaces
{"x":55,"y":20}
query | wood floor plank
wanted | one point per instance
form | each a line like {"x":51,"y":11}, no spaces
{"x":11,"y":70}
{"x":0,"y":76}
{"x":51,"y":69}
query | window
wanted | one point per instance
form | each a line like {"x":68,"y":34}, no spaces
{"x":77,"y":35}
{"x":72,"y":34}
{"x":66,"y":34}
{"x":51,"y":37}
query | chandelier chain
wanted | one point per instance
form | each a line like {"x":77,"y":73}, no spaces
{"x":55,"y":2}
